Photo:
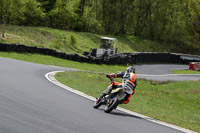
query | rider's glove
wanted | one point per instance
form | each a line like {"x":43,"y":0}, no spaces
{"x":112,"y":75}
{"x":108,"y":75}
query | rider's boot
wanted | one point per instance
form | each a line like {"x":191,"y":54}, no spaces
{"x":127,"y":98}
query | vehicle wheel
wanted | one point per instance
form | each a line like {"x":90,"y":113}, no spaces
{"x":97,"y":104}
{"x":111,"y":104}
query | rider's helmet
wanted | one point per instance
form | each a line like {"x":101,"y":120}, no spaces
{"x":130,"y":69}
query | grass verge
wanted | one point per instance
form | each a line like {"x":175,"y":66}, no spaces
{"x":186,"y":72}
{"x":172,"y":102}
{"x":50,"y":60}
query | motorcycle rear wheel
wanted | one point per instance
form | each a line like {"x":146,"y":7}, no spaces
{"x":110,"y":106}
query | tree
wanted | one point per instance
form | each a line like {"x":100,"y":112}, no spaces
{"x":4,"y":11}
{"x":169,"y":21}
{"x":47,"y":5}
{"x":26,"y":12}
{"x":4,"y":15}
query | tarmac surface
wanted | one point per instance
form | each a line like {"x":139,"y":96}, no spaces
{"x":162,"y":72}
{"x":29,"y":103}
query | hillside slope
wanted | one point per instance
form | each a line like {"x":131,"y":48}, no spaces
{"x":74,"y":42}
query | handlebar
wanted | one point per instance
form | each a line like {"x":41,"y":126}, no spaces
{"x":111,"y":79}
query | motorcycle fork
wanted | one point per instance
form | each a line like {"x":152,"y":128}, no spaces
{"x":109,"y":102}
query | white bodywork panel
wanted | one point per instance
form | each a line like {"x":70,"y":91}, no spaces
{"x":101,"y":52}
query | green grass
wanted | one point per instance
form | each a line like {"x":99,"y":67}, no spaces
{"x":60,"y":40}
{"x":50,"y":60}
{"x":185,"y":72}
{"x":173,"y":102}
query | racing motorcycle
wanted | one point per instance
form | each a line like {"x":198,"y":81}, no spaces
{"x":112,"y":100}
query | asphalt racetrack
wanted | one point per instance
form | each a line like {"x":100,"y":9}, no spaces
{"x":162,"y":72}
{"x":29,"y":103}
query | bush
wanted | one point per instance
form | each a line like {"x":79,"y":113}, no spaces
{"x":72,"y":40}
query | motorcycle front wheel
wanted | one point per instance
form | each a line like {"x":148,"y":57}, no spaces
{"x":111,"y":104}
{"x":97,"y":104}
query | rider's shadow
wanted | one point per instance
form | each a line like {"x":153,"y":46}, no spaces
{"x":124,"y":114}
{"x":121,"y":113}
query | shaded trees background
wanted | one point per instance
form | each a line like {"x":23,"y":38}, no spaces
{"x":176,"y":23}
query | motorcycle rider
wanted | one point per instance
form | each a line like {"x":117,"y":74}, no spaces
{"x":129,"y":83}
